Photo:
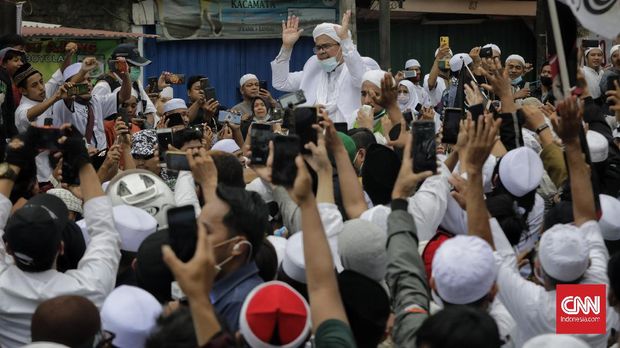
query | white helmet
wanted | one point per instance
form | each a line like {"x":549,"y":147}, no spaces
{"x":142,"y":189}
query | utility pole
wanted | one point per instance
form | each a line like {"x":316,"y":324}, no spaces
{"x":384,"y":35}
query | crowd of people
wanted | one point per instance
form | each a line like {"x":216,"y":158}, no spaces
{"x":108,"y":243}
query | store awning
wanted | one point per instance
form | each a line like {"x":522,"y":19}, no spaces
{"x":33,"y":29}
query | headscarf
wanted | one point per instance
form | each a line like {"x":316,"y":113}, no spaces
{"x":413,"y":97}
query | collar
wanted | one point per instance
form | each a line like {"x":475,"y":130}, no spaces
{"x":231,"y":281}
{"x":26,"y":100}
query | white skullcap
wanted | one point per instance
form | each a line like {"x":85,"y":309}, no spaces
{"x":555,"y":341}
{"x":437,"y":52}
{"x":257,"y":185}
{"x":377,"y":215}
{"x":456,"y":62}
{"x":226,"y":145}
{"x":167,"y":92}
{"x":361,"y":246}
{"x":45,"y":345}
{"x":245,"y":78}
{"x":516,"y":57}
{"x":134,"y":225}
{"x":532,"y":101}
{"x":293,"y":263}
{"x":598,"y":146}
{"x":71,"y":201}
{"x":464,"y":269}
{"x":563,"y":253}
{"x":614,"y":49}
{"x":327,"y":29}
{"x":134,"y":93}
{"x":589,"y":49}
{"x":279,"y":244}
{"x":71,"y":71}
{"x":520,"y":170}
{"x":375,"y":77}
{"x":494,"y":47}
{"x":104,"y":185}
{"x":173,"y":104}
{"x":412,"y":63}
{"x":610,"y":220}
{"x":131,"y":313}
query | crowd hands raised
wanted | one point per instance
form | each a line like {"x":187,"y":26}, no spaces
{"x":371,"y":209}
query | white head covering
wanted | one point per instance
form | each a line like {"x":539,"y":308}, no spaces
{"x":259,"y":187}
{"x":555,"y":341}
{"x":589,"y":49}
{"x":327,"y":29}
{"x":361,"y":246}
{"x":131,"y":313}
{"x":614,"y":49}
{"x":45,"y":345}
{"x":610,"y":220}
{"x":71,"y":71}
{"x":516,"y":57}
{"x":464,"y":269}
{"x":279,"y":244}
{"x":494,"y":47}
{"x":245,"y":78}
{"x":412,"y":63}
{"x":226,"y":145}
{"x":72,"y":202}
{"x":456,"y":62}
{"x":293,"y":263}
{"x":167,"y":92}
{"x":413,"y":97}
{"x":437,"y":52}
{"x":173,"y":104}
{"x":375,"y":77}
{"x":598,"y":146}
{"x":134,"y":93}
{"x":563,"y":252}
{"x":520,"y":170}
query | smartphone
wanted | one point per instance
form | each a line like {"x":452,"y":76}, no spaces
{"x":451,"y":121}
{"x":262,"y":84}
{"x":285,"y":149}
{"x":182,"y":230}
{"x":204,"y":83}
{"x":444,"y":40}
{"x":210,"y":93}
{"x":486,"y":52}
{"x":121,"y":66}
{"x":305,"y":118}
{"x":230,"y":117}
{"x":341,"y":127}
{"x":444,"y":64}
{"x":424,"y":150}
{"x":418,"y":108}
{"x":291,"y":99}
{"x":176,"y":79}
{"x":164,"y":138}
{"x":260,"y":135}
{"x":410,"y":74}
{"x":366,"y":110}
{"x":589,"y":43}
{"x":78,"y":89}
{"x":175,"y":119}
{"x":408,"y":116}
{"x":122,"y":112}
{"x":48,"y":122}
{"x":70,"y":176}
{"x":46,"y":138}
{"x":152,"y":84}
{"x":177,"y":160}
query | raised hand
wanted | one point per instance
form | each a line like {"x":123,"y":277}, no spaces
{"x":534,"y":117}
{"x":90,"y":63}
{"x":319,"y":161}
{"x":497,"y":77}
{"x":343,"y":29}
{"x":291,"y":31}
{"x":301,"y":192}
{"x":71,"y":48}
{"x":481,"y":138}
{"x":473,"y":94}
{"x":567,"y":122}
{"x":407,"y":180}
{"x":389,"y":92}
{"x":203,"y":170}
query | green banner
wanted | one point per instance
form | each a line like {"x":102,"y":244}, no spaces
{"x":238,"y":19}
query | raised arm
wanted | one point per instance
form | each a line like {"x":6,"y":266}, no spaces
{"x":352,"y":59}
{"x":444,"y":51}
{"x":40,"y":108}
{"x":323,"y":168}
{"x":282,"y":78}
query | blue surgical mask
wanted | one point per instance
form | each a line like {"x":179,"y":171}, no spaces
{"x":517,"y":80}
{"x":134,"y":73}
{"x":329,"y":64}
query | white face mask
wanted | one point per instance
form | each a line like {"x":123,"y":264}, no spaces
{"x":329,"y":64}
{"x":403,"y":99}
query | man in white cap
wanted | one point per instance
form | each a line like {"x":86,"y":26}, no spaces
{"x":459,"y":61}
{"x":435,"y":82}
{"x":249,"y":86}
{"x":614,"y":70}
{"x":494,"y":49}
{"x":371,"y":118}
{"x":593,"y":70}
{"x":515,"y":64}
{"x":333,"y":76}
{"x":175,"y":114}
{"x":414,"y":65}
{"x":87,"y":111}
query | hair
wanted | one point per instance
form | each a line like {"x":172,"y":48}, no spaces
{"x":12,"y":40}
{"x":248,"y":215}
{"x":24,"y":83}
{"x":193,"y":79}
{"x":267,"y":261}
{"x":267,"y":105}
{"x":184,"y":136}
{"x":362,"y":138}
{"x":174,"y":331}
{"x":459,"y":326}
{"x":152,"y":274}
{"x":70,"y":320}
{"x":12,"y":54}
{"x":544,"y":64}
{"x":229,"y":170}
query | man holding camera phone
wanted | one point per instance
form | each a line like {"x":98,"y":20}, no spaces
{"x":333,"y":76}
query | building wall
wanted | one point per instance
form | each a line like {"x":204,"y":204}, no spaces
{"x":114,"y":15}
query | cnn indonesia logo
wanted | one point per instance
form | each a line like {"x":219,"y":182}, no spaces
{"x":580,"y":309}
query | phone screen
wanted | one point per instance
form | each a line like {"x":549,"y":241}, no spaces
{"x":230,"y":117}
{"x":152,"y":84}
{"x":451,"y":121}
{"x":47,"y":138}
{"x":262,"y":84}
{"x":291,"y":99}
{"x":259,"y":139}
{"x":177,"y":160}
{"x":176,"y":79}
{"x":78,"y":89}
{"x":424,"y":147}
{"x":285,"y":149}
{"x":410,"y":73}
{"x":444,"y":40}
{"x":164,"y":138}
{"x":182,"y":229}
{"x":305,"y":117}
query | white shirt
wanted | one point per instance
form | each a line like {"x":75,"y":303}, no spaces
{"x":594,"y":79}
{"x":436,"y":93}
{"x":185,"y":191}
{"x":533,"y":307}
{"x":21,"y":292}
{"x":103,"y":106}
{"x":343,"y":92}
{"x":44,"y":170}
{"x":102,"y":88}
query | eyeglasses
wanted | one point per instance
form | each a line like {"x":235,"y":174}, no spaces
{"x":324,"y":48}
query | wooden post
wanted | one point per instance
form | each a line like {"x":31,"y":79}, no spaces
{"x":384,"y":35}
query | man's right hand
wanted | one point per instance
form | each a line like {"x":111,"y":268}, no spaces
{"x":71,"y":48}
{"x":291,"y":31}
{"x":444,"y":51}
{"x":89,"y":63}
{"x":568,"y":120}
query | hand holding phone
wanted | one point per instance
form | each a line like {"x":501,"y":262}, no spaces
{"x":284,"y":169}
{"x":177,"y":160}
{"x":424,"y":149}
{"x":77,"y":89}
{"x":46,"y":138}
{"x":260,"y":135}
{"x":121,"y":66}
{"x":305,"y":118}
{"x":164,"y":138}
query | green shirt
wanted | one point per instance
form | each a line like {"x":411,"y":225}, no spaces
{"x":334,"y":333}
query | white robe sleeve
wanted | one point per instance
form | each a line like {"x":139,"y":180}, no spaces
{"x":281,"y":78}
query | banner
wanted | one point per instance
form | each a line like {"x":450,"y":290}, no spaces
{"x":238,"y":19}
{"x":598,"y":16}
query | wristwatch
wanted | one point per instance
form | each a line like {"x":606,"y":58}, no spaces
{"x":6,"y":172}
{"x":541,"y":128}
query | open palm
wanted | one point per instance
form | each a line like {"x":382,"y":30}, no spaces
{"x":291,"y":31}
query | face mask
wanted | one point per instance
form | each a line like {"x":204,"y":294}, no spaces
{"x":517,"y":80}
{"x":329,"y":64}
{"x":403,"y":99}
{"x":134,"y":74}
{"x":546,"y":81}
